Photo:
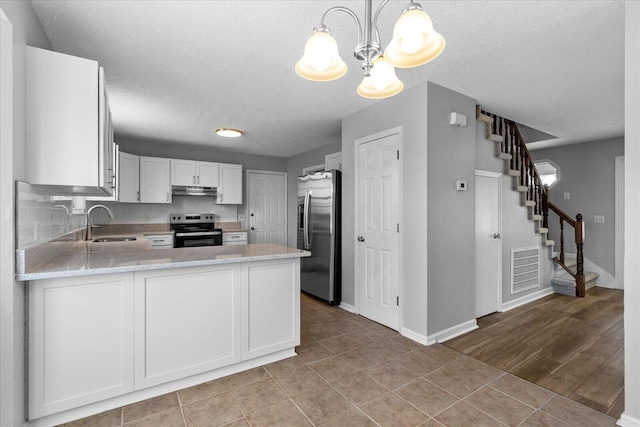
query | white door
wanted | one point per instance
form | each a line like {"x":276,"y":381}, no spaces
{"x":488,"y":243}
{"x":377,"y":225}
{"x":267,"y":207}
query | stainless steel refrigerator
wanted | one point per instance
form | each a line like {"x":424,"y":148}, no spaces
{"x":319,"y":232}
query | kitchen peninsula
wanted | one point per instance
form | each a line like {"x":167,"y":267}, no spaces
{"x":118,"y":322}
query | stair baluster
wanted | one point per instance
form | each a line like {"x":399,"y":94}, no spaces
{"x":580,"y":282}
{"x":561,"y":257}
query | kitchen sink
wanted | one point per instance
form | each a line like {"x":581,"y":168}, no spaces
{"x":114,"y":239}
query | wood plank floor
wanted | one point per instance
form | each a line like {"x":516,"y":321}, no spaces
{"x":572,"y":346}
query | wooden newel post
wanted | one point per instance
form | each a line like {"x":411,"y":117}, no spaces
{"x":579,"y":228}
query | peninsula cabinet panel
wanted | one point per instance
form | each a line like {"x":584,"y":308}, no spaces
{"x":80,"y":341}
{"x":272,"y":307}
{"x":187,"y":322}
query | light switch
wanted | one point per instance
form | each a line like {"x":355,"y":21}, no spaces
{"x":598,"y":219}
{"x":241,"y":217}
{"x":567,"y":195}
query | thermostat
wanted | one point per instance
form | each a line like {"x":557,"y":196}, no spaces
{"x":461,"y":185}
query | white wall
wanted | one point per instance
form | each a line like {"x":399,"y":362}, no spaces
{"x":631,"y":415}
{"x":588,"y":173}
{"x":26,"y":31}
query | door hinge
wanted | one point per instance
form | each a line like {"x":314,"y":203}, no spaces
{"x":397,"y":300}
{"x":398,"y":227}
{"x":398,"y":154}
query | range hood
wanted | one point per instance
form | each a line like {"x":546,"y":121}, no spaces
{"x":179,"y":190}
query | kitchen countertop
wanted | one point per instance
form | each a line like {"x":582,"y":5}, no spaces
{"x":80,"y":258}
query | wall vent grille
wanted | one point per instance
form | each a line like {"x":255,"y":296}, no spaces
{"x":525,"y":269}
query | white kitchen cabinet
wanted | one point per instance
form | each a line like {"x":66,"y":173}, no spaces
{"x":333,"y":161}
{"x":129,"y":178}
{"x":155,"y":180}
{"x":271,"y":307}
{"x":191,"y":172}
{"x":187,"y":322}
{"x":229,"y":184}
{"x":68,"y":122}
{"x":230,"y":238}
{"x":80,"y":341}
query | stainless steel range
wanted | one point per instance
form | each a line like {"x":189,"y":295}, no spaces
{"x":193,"y":230}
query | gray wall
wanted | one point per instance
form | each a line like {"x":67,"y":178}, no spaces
{"x":295,"y":164}
{"x":451,"y":213}
{"x":26,"y":31}
{"x":588,"y":174}
{"x":436,"y":220}
{"x":517,"y":230}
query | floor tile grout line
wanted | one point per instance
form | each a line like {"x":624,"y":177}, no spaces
{"x":184,"y":418}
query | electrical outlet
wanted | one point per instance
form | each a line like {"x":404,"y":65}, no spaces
{"x":567,"y":195}
{"x":241,"y":217}
{"x":598,"y":219}
{"x":147,"y":218}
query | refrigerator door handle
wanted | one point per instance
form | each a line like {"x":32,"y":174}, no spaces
{"x":305,"y":221}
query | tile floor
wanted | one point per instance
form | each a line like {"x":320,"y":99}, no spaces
{"x":351,"y":371}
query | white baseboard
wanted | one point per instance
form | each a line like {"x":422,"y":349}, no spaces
{"x":452,"y":332}
{"x":526,"y":299}
{"x":628,"y":421}
{"x":348,"y":307}
{"x":415,"y":336}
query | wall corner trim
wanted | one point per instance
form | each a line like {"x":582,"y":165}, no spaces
{"x":526,"y":299}
{"x":348,"y":307}
{"x":415,"y":336}
{"x":628,"y":421}
{"x":452,"y":332}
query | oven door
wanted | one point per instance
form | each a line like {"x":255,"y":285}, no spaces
{"x":205,"y":238}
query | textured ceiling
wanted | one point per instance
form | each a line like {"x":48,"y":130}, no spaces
{"x":176,"y":70}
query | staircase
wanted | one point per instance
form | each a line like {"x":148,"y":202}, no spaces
{"x":570,"y":277}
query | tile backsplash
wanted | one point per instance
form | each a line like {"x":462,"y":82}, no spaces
{"x":42,"y":215}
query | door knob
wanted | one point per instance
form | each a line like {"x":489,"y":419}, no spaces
{"x":497,"y":236}
{"x":360,"y":239}
{"x":252,"y":228}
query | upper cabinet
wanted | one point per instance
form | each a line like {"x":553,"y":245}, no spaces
{"x":229,"y":184}
{"x":191,"y":172}
{"x":129,"y":182}
{"x":333,"y":161}
{"x":155,"y":180}
{"x":69,"y":131}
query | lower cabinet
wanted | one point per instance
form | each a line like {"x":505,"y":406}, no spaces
{"x":80,"y":341}
{"x":92,"y":338}
{"x":187,"y":322}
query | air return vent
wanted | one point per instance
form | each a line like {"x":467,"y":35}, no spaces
{"x":525,"y":269}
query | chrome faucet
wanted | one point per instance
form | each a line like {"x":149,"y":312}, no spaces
{"x":89,"y":232}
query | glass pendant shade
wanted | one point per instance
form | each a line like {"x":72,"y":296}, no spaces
{"x":382,"y":83}
{"x":321,"y":61}
{"x":414,"y":42}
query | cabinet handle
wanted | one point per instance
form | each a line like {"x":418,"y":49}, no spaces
{"x":138,"y":195}
{"x":198,"y":180}
{"x":219,"y":197}
{"x":167,"y":196}
{"x":194,"y":179}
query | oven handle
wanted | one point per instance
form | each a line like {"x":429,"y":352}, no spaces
{"x":198,"y":234}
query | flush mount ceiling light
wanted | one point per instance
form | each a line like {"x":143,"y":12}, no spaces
{"x":228,"y":132}
{"x":414,"y":43}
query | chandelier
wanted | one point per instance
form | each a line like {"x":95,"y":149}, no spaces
{"x":414,"y":43}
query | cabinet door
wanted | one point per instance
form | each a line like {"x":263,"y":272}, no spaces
{"x":80,"y":341}
{"x":155,"y":180}
{"x":271,"y":298}
{"x":187,"y":322}
{"x":333,"y":161}
{"x":229,"y":184}
{"x":129,"y":178}
{"x":207,"y":174}
{"x":183,"y":172}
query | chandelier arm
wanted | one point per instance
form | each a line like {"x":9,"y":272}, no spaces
{"x":347,"y":11}
{"x":378,"y":10}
